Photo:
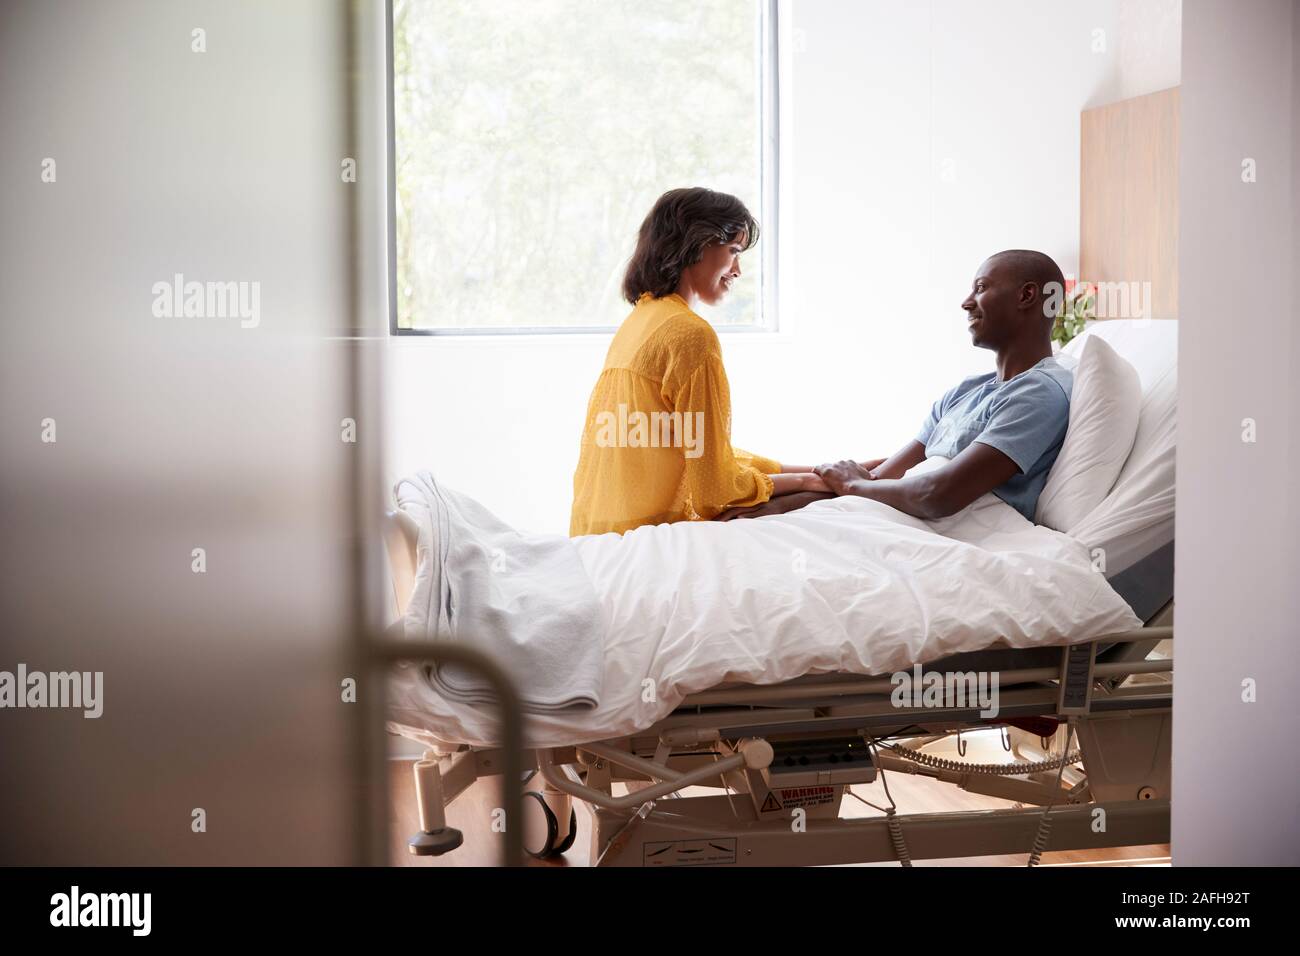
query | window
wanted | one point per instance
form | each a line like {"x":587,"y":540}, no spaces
{"x":531,"y":137}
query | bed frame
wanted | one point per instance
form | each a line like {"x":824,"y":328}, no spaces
{"x":1088,"y":743}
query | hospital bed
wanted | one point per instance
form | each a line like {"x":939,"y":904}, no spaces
{"x":755,"y":775}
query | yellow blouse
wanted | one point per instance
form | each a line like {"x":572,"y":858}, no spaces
{"x":657,"y":443}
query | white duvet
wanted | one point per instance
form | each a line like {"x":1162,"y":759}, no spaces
{"x":846,"y":584}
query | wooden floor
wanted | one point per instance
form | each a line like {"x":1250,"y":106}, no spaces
{"x":471,"y":813}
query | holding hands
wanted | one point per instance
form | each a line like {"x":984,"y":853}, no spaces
{"x":800,"y":485}
{"x":840,"y":476}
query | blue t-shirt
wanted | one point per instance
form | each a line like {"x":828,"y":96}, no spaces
{"x":1024,"y":417}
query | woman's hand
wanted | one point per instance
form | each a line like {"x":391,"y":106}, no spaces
{"x":811,"y":481}
{"x":799,"y":469}
{"x":788,"y":484}
{"x":840,"y":476}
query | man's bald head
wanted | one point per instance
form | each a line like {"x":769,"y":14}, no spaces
{"x":1026,"y":265}
{"x":1014,"y":299}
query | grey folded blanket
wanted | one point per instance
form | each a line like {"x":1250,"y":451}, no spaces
{"x":523,"y":599}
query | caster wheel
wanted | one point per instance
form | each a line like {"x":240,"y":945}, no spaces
{"x":573,"y":835}
{"x":540,"y":831}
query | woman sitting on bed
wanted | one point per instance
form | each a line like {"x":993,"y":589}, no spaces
{"x":656,"y":446}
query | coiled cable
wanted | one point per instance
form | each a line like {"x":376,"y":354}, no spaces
{"x":1045,"y":824}
{"x":1058,"y":763}
{"x":891,"y":820}
{"x":896,"y":838}
{"x":992,"y":769}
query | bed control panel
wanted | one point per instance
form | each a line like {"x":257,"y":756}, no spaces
{"x":1076,"y":678}
{"x":810,"y":763}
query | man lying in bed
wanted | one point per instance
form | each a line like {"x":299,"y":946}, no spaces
{"x":1002,"y":431}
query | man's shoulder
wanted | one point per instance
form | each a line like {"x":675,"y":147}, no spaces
{"x":1046,"y":387}
{"x":1051,"y":377}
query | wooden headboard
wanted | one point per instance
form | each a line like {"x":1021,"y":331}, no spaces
{"x":1128,"y":197}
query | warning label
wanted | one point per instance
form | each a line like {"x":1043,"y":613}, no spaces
{"x":790,"y":798}
{"x":804,"y":796}
{"x":716,"y":852}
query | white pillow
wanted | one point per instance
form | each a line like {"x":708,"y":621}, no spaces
{"x":1104,"y":407}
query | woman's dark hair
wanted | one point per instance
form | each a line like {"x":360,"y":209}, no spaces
{"x":681,"y":225}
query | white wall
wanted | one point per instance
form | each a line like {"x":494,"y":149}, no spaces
{"x":919,"y":139}
{"x":1237,"y":559}
{"x":1147,"y":49}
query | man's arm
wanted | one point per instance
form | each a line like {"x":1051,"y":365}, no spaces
{"x":936,"y":494}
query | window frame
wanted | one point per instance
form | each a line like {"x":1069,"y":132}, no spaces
{"x":769,"y":85}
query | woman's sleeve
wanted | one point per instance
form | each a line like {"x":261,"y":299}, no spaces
{"x":768,"y":466}
{"x":714,"y":479}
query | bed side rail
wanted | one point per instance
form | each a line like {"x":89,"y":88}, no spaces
{"x":801,"y":689}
